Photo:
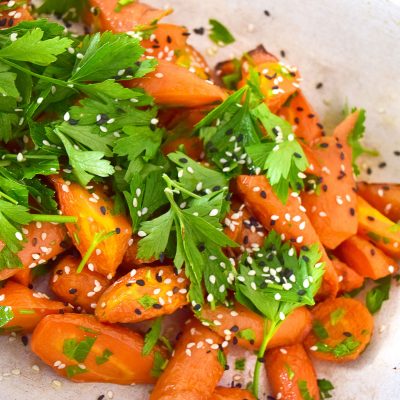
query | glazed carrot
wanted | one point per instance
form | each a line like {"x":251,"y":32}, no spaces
{"x":130,"y":259}
{"x":15,"y":14}
{"x":378,"y":229}
{"x":332,"y":207}
{"x":173,"y":85}
{"x":260,"y":55}
{"x":95,"y":216}
{"x":344,"y":129}
{"x":27,"y":306}
{"x":44,"y":241}
{"x":222,"y":393}
{"x":342,"y":329}
{"x":104,"y":16}
{"x":291,"y":374}
{"x":247,"y":328}
{"x":195,"y":369}
{"x":82,"y":349}
{"x":143,"y":294}
{"x":289,"y":219}
{"x":365,"y":258}
{"x":299,"y":113}
{"x":82,"y":290}
{"x":192,"y":145}
{"x":385,"y":197}
{"x":349,"y":279}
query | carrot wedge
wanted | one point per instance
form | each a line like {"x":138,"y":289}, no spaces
{"x":43,"y":242}
{"x":349,"y":279}
{"x":378,"y":229}
{"x":344,"y":129}
{"x":143,"y":294}
{"x":332,"y":209}
{"x":291,"y":374}
{"x":247,"y":328}
{"x":289,"y":220}
{"x":82,"y":290}
{"x":222,"y":393}
{"x":365,"y":258}
{"x":195,"y":369}
{"x":26,"y":306}
{"x":95,"y":216}
{"x":385,"y":197}
{"x":105,"y":16}
{"x":15,"y":14}
{"x":342,"y":329}
{"x":82,"y":349}
{"x":173,"y":85}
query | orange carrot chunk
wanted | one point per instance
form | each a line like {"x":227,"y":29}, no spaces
{"x":195,"y":368}
{"x":83,"y":289}
{"x":25,"y":307}
{"x":82,"y":349}
{"x":332,"y":206}
{"x":378,"y":229}
{"x":247,"y":328}
{"x":385,"y":197}
{"x":349,"y":279}
{"x":222,"y":393}
{"x":143,"y":294}
{"x":290,"y":220}
{"x":342,"y":329}
{"x":365,"y":258}
{"x":15,"y":14}
{"x":291,"y":374}
{"x":95,"y":213}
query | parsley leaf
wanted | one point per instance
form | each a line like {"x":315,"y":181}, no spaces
{"x":303,"y":388}
{"x":68,"y":10}
{"x":159,"y":364}
{"x":104,"y":357}
{"x":152,"y":337}
{"x":73,"y":370}
{"x":325,"y":388}
{"x":78,"y":351}
{"x":6,"y":315}
{"x":378,"y":294}
{"x":123,"y":3}
{"x":219,"y":34}
{"x":240,"y":364}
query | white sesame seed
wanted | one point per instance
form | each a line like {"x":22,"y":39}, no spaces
{"x":19,"y":236}
{"x":213,"y":212}
{"x":67,"y":116}
{"x":391,"y":269}
{"x":142,"y":234}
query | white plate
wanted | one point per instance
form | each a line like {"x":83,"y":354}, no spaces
{"x":353,"y":48}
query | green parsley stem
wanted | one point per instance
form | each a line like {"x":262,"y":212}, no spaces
{"x":270,"y":328}
{"x":7,"y":197}
{"x":171,"y":184}
{"x":62,"y":219}
{"x":31,"y":157}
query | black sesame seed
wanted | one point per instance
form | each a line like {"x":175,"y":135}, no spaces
{"x":229,"y":132}
{"x":370,"y":218}
{"x":260,"y":359}
{"x":396,"y":153}
{"x":311,"y":115}
{"x":352,"y":211}
{"x":158,"y":278}
{"x":72,"y":291}
{"x":3,"y":22}
{"x":297,"y":155}
{"x":382,"y":165}
{"x":73,"y":121}
{"x":118,"y":231}
{"x":101,"y":397}
{"x":339,"y":145}
{"x":235,"y":340}
{"x":267,"y":13}
{"x":138,"y":312}
{"x":199,"y":31}
{"x":162,"y":257}
{"x":369,"y":171}
{"x":263,"y":194}
{"x":283,"y":53}
{"x":300,"y":109}
{"x":246,"y":240}
{"x":24,"y":340}
{"x":372,"y":251}
{"x":11,"y":22}
{"x":305,"y":258}
{"x":183,"y":160}
{"x":201,"y":247}
{"x":319,"y":85}
{"x":341,"y":155}
{"x":169,"y":39}
{"x":59,"y":272}
{"x":34,"y":242}
{"x":128,"y":284}
{"x":234,"y":328}
{"x":157,"y":306}
{"x":324,"y":145}
{"x":186,"y":33}
{"x":175,"y":290}
{"x":197,"y":307}
{"x":347,"y":334}
{"x":301,"y":292}
{"x":297,"y":120}
{"x":305,"y":248}
{"x":103,"y":210}
{"x":140,"y":282}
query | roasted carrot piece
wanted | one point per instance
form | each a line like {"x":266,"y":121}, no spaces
{"x":95,"y":216}
{"x":222,"y":393}
{"x":105,"y":17}
{"x":365,"y":258}
{"x":143,"y":294}
{"x":173,"y":85}
{"x":344,"y":129}
{"x":15,"y":14}
{"x":332,"y":207}
{"x":299,"y":113}
{"x":342,"y":329}
{"x":82,"y":349}
{"x":247,"y":328}
{"x":291,"y":373}
{"x":378,"y":229}
{"x":27,"y":306}
{"x":43,"y":241}
{"x":130,"y":259}
{"x":289,"y":220}
{"x":195,"y":368}
{"x":385,"y":197}
{"x":83,"y":289}
{"x":193,"y":146}
{"x":349,"y":279}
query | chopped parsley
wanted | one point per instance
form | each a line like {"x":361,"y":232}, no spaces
{"x":336,"y":316}
{"x":378,"y":294}
{"x":303,"y":388}
{"x":345,"y":347}
{"x":247,"y":334}
{"x":147,"y":301}
{"x":152,"y":336}
{"x":159,"y":364}
{"x":78,"y":351}
{"x":240,"y":364}
{"x":6,"y":315}
{"x":325,"y":388}
{"x":104,"y":357}
{"x":219,"y":33}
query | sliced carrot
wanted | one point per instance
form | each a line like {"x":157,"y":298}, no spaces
{"x":27,"y":306}
{"x":332,"y":208}
{"x":378,"y":229}
{"x":344,"y":129}
{"x":192,"y":145}
{"x":290,"y":220}
{"x":173,"y":85}
{"x":342,"y":329}
{"x":260,"y":55}
{"x":83,"y":289}
{"x":195,"y":368}
{"x":95,"y":213}
{"x":365,"y":258}
{"x":299,"y":113}
{"x":349,"y":279}
{"x":82,"y":349}
{"x":14,"y":16}
{"x":222,"y":393}
{"x":130,"y":259}
{"x":44,"y":241}
{"x":247,"y":328}
{"x":291,"y":374}
{"x":385,"y":197}
{"x":104,"y":17}
{"x":143,"y":294}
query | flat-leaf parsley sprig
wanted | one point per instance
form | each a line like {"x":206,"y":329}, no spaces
{"x":274,"y":281}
